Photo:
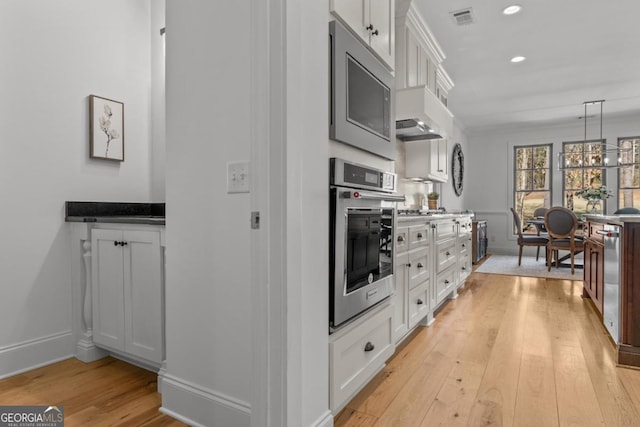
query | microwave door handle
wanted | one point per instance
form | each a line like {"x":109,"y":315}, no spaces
{"x":374,"y":196}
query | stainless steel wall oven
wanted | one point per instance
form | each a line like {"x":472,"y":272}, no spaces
{"x":362,"y":211}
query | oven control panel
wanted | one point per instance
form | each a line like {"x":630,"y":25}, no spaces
{"x":353,"y":175}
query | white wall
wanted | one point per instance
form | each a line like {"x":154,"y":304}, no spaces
{"x":208,"y":377}
{"x":490,"y":170}
{"x":208,"y":299}
{"x":54,"y":55}
{"x":158,"y":104}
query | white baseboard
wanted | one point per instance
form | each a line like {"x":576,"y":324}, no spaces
{"x":28,"y":355}
{"x":326,"y":420}
{"x":197,"y":406}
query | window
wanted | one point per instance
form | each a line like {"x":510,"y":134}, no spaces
{"x":583,"y":169}
{"x":532,"y":181}
{"x":629,"y":175}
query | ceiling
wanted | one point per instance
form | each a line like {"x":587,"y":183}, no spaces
{"x":576,"y":50}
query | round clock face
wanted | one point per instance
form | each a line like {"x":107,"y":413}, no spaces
{"x":457,"y":169}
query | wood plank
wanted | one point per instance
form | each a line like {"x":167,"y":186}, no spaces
{"x":107,"y":392}
{"x":352,"y":418}
{"x":498,"y":390}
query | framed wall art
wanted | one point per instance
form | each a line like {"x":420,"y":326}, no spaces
{"x":106,"y":128}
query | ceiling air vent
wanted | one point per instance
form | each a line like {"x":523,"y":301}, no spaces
{"x":462,"y":17}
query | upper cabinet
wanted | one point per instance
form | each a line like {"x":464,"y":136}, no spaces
{"x":427,"y":160}
{"x":373,"y":21}
{"x":419,"y":57}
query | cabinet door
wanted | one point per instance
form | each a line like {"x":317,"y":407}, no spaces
{"x":418,"y":307}
{"x":412,"y":60}
{"x":400,"y":315}
{"x":439,"y":163}
{"x":381,"y":14}
{"x":106,"y":285}
{"x":354,"y":14}
{"x":143,"y":300}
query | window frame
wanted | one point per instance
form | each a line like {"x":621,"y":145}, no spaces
{"x":620,"y":188}
{"x":603,"y":174}
{"x":515,"y":171}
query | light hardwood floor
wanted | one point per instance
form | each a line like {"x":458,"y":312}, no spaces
{"x":107,"y":392}
{"x":510,"y":351}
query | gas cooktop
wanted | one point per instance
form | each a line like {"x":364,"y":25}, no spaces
{"x":420,"y":212}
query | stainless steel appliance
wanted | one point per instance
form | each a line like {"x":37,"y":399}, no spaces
{"x":480,"y":240}
{"x":611,"y":293}
{"x":362,"y":95}
{"x":362,"y":207}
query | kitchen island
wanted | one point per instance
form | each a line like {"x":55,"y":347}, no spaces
{"x":627,"y":291}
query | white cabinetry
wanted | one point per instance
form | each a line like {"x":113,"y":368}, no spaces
{"x":412,"y":274}
{"x":373,"y":21}
{"x":127,"y":292}
{"x":465,"y":244}
{"x":427,"y":160}
{"x":357,"y":352}
{"x":446,"y":239}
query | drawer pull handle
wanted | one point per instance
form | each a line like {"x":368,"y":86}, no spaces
{"x":419,"y":302}
{"x":448,"y":253}
{"x":420,"y":236}
{"x":420,"y":265}
{"x":368,"y":346}
{"x":446,"y":282}
{"x":409,"y":264}
{"x":464,"y":268}
{"x":464,"y":246}
{"x":400,"y":238}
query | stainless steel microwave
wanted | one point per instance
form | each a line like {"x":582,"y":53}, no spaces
{"x":362,"y":95}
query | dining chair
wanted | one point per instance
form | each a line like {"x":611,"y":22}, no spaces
{"x":627,"y":211}
{"x":561,"y":224}
{"x":526,"y":239}
{"x":539,"y":213}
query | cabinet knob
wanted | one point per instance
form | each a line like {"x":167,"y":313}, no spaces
{"x":368,"y":346}
{"x":419,"y":302}
{"x":116,"y":243}
{"x":464,"y":268}
{"x":448,"y":253}
{"x":409,"y":264}
{"x":420,"y":265}
{"x":375,"y":33}
{"x":420,"y":236}
{"x":369,"y":27}
{"x":400,"y":238}
{"x":463,"y":245}
{"x":446,"y":282}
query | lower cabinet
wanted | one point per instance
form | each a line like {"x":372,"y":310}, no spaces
{"x":418,"y":304}
{"x":594,"y":265}
{"x":127,"y":292}
{"x":358,"y":352}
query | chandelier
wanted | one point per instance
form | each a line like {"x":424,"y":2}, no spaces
{"x":594,"y":153}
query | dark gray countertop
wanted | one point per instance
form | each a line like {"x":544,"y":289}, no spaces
{"x":115,"y":212}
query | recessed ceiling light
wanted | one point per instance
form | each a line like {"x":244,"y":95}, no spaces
{"x":518,"y":59}
{"x":513,"y":9}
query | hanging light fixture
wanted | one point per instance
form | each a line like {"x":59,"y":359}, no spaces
{"x":598,"y":154}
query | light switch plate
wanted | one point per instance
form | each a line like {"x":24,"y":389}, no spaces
{"x":238,"y":177}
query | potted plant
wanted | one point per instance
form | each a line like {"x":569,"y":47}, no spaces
{"x":432,"y":200}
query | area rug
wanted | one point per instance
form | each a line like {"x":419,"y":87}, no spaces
{"x":508,"y":264}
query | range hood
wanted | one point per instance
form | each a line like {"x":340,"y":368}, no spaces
{"x":415,"y":130}
{"x":420,"y":115}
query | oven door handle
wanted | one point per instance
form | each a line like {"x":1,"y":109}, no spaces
{"x":363,"y":195}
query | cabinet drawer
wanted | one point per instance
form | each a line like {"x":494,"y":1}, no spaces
{"x":418,"y":307}
{"x":402,"y":239}
{"x":358,"y":353}
{"x":464,"y":244}
{"x":464,"y":262}
{"x":592,"y":231}
{"x":445,"y":229}
{"x":444,"y":284}
{"x":418,"y":236}
{"x":445,"y":255}
{"x":419,"y":267}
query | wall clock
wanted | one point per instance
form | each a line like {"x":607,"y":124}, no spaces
{"x":457,"y":169}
